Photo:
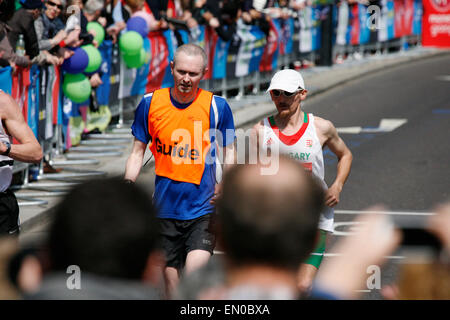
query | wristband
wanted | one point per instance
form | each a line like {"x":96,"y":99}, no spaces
{"x":62,"y":44}
{"x":128,"y":181}
{"x":8,"y":148}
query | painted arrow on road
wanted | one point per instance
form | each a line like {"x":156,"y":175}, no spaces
{"x":386,"y":125}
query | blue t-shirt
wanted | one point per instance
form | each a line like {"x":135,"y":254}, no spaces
{"x":183,"y":200}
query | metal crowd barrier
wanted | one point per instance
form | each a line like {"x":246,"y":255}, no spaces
{"x":107,"y":144}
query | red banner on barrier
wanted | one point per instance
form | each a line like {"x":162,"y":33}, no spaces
{"x":354,"y":35}
{"x":159,"y":61}
{"x":399,"y":9}
{"x":436,"y":23}
{"x":408,"y":17}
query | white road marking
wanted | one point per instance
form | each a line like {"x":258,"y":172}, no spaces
{"x":443,"y":78}
{"x":406,"y":213}
{"x":386,"y":125}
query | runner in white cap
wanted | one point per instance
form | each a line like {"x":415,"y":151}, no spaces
{"x":302,"y":136}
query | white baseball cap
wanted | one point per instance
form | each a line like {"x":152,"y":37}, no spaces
{"x":287,"y":80}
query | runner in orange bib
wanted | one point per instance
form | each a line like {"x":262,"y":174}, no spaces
{"x":184,"y":126}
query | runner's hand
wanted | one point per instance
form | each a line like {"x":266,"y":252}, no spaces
{"x":217,"y":193}
{"x":332,"y":195}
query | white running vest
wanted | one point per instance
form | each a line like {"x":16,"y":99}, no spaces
{"x":6,"y":172}
{"x":303,"y":146}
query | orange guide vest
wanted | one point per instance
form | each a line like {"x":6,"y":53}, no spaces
{"x":180,"y":137}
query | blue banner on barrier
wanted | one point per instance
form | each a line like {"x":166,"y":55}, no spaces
{"x":140,"y":80}
{"x":220,"y":59}
{"x":390,"y":20}
{"x":316,"y":32}
{"x":6,"y":79}
{"x":364,"y":31}
{"x":172,"y":45}
{"x":417,"y":21}
{"x":33,"y":100}
{"x":103,"y":90}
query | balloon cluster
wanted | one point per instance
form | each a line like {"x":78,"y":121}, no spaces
{"x":131,"y":43}
{"x":85,"y":61}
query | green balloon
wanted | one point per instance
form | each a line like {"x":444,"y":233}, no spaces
{"x":76,"y":87}
{"x":133,"y":61}
{"x":131,"y":43}
{"x":145,"y":58}
{"x":98,"y":29}
{"x":95,"y":58}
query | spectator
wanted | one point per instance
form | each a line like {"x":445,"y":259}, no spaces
{"x":77,"y":20}
{"x":49,"y":26}
{"x":267,"y":228}
{"x":107,"y":21}
{"x":93,"y":9}
{"x":116,"y":251}
{"x":22,"y":22}
{"x":7,"y":53}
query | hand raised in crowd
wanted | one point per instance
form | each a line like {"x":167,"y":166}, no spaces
{"x":65,"y":53}
{"x":51,"y":59}
{"x":60,"y":36}
{"x":95,"y":80}
{"x":214,"y":23}
{"x":72,"y":39}
{"x":376,"y":238}
{"x":439,"y":224}
{"x":191,"y":23}
{"x":200,"y":3}
{"x":246,"y":17}
{"x":102,"y":21}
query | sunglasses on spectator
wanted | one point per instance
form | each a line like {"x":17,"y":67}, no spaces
{"x":59,"y":6}
{"x":277,"y":92}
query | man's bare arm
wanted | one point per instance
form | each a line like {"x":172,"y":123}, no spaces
{"x":344,"y":155}
{"x":29,"y":149}
{"x":134,"y":162}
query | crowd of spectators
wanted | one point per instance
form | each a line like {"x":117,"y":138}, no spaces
{"x":50,"y":28}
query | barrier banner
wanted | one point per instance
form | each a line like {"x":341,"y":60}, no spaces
{"x":172,"y":45}
{"x":114,"y":77}
{"x":269,"y":58}
{"x":6,"y":79}
{"x":57,"y":96}
{"x":390,"y":21}
{"x":45,"y":117}
{"x":140,"y":81}
{"x":288,"y":35}
{"x":103,"y":90}
{"x":251,"y":49}
{"x":354,"y":33}
{"x":306,"y":24}
{"x":33,"y":100}
{"x":233,"y":50}
{"x":316,"y":30}
{"x":408,"y":17}
{"x":219,"y":70}
{"x":158,"y":62}
{"x":295,"y":34}
{"x":364,"y":31}
{"x":436,"y":23}
{"x":417,"y":20}
{"x":399,"y":10}
{"x":19,"y":90}
{"x":342,"y":26}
